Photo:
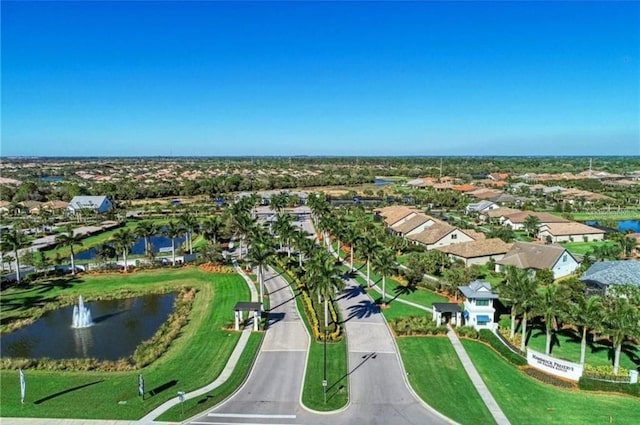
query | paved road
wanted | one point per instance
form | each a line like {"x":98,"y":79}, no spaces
{"x":379,"y":394}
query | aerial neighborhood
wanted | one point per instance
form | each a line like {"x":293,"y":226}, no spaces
{"x":514,"y":270}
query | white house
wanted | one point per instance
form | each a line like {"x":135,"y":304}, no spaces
{"x":441,"y":234}
{"x":534,"y":256}
{"x":481,"y":206}
{"x":478,"y":305}
{"x":97,"y":204}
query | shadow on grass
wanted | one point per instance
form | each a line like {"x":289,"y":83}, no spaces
{"x":160,"y":388}
{"x":402,"y":290}
{"x":79,"y":387}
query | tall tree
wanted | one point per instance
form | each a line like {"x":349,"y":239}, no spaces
{"x":146,"y":229}
{"x":552,"y":305}
{"x":189,"y":223}
{"x":531,"y":225}
{"x":367,"y":247}
{"x":122,"y":240}
{"x":259,"y":255}
{"x":70,"y":239}
{"x":172,"y":230}
{"x":14,"y":240}
{"x":384,"y":263}
{"x":323,"y":278}
{"x":351,"y":235}
{"x":622,"y":320}
{"x":587,"y":313}
{"x":211,"y":228}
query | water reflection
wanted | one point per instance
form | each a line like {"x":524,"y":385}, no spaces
{"x":119,"y":327}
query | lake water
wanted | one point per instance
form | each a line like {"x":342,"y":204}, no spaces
{"x":623,"y":225}
{"x":157,"y":242}
{"x":119,"y":327}
{"x":51,"y":178}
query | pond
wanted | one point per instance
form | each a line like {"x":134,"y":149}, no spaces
{"x":119,"y":326}
{"x":157,"y":242}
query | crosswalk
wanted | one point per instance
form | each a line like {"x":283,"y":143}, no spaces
{"x":245,"y":419}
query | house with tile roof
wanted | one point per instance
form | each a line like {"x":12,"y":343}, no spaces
{"x":516,"y":220}
{"x":477,"y":251}
{"x":603,"y":274}
{"x":393,"y":214}
{"x":497,"y":213}
{"x":441,"y":234}
{"x":478,"y":310}
{"x":480,"y":207}
{"x":569,"y":232}
{"x":412,"y":224}
{"x":535,"y":256}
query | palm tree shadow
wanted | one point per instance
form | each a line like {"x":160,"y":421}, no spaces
{"x":402,"y":290}
{"x":351,"y":291}
{"x":365,"y":358}
{"x":363,"y":309}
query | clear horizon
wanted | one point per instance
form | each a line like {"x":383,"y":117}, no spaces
{"x":358,"y":79}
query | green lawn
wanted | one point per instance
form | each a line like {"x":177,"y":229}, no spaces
{"x":603,"y":215}
{"x":437,"y":376}
{"x":568,"y":347}
{"x":581,"y":248}
{"x":194,"y":359}
{"x":527,"y":401}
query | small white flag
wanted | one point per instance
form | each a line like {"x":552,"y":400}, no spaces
{"x":22,"y":387}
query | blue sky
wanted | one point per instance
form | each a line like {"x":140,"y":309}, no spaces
{"x":318,"y":78}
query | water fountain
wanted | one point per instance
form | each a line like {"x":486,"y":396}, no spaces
{"x":81,"y":315}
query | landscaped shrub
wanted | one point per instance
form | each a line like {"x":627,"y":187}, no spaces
{"x":467,"y":332}
{"x":605,"y":372}
{"x":548,"y":379}
{"x":416,"y":325}
{"x":589,"y":384}
{"x":490,"y":338}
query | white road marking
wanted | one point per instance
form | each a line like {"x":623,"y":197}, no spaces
{"x":251,"y":415}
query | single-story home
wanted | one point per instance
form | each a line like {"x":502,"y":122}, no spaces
{"x":97,"y":204}
{"x":534,"y":256}
{"x":478,"y":251}
{"x":441,"y":234}
{"x":569,"y":232}
{"x":480,"y":207}
{"x":516,"y":220}
{"x":601,"y":275}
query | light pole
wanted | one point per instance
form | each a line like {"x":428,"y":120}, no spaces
{"x":324,"y":375}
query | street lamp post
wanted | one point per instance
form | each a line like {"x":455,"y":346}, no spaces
{"x":324,"y":375}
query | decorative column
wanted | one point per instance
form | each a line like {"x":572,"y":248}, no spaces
{"x":237,"y":320}
{"x":255,"y":320}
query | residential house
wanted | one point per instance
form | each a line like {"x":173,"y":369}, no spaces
{"x":412,"y":224}
{"x":97,"y":204}
{"x":479,"y":311}
{"x":497,"y":213}
{"x":393,"y":214}
{"x":534,"y":256}
{"x":441,"y":234}
{"x":516,"y":220}
{"x":478,"y":251}
{"x":601,"y":275}
{"x":569,"y":232}
{"x":480,"y":207}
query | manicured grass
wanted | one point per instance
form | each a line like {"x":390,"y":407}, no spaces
{"x":527,"y":401}
{"x":568,"y":347}
{"x":437,"y":376}
{"x":195,"y":405}
{"x":603,"y":215}
{"x":194,"y":359}
{"x":581,"y":248}
{"x":89,"y":241}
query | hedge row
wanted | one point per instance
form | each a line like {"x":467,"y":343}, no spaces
{"x":590,"y":384}
{"x":548,"y":379}
{"x":490,"y":338}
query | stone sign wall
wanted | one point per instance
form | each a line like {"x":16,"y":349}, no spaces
{"x":553,"y":366}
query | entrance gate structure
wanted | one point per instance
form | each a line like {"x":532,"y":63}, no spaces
{"x":249,"y":307}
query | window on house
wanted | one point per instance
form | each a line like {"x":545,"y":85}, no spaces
{"x":454,"y":236}
{"x":482,"y":321}
{"x":564,"y":258}
{"x":482,"y":302}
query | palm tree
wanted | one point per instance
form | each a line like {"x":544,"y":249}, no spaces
{"x":351,"y":236}
{"x":172,"y":230}
{"x":531,"y":225}
{"x":587,"y":313}
{"x":189,"y":223}
{"x":529,"y":301}
{"x":211,"y":228}
{"x":123,"y":239}
{"x":146,"y":229}
{"x":621,"y":321}
{"x":278,"y":201}
{"x":553,"y":303}
{"x":260,"y":254}
{"x":284,"y":229}
{"x":14,"y":240}
{"x":367,"y":246}
{"x":323,"y":278}
{"x":509,"y":291}
{"x":384,"y":263}
{"x":70,"y":239}
{"x":304,"y":244}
